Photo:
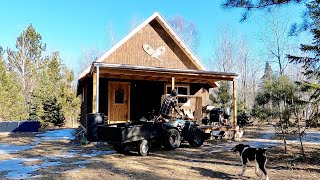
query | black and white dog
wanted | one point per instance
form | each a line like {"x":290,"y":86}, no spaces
{"x":256,"y":155}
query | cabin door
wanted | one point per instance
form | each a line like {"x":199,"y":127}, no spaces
{"x":118,"y":102}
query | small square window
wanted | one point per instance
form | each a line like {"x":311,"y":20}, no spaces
{"x":119,"y":96}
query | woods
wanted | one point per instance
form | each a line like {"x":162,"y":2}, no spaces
{"x":36,"y":86}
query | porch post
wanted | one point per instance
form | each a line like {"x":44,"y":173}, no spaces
{"x":234,"y":102}
{"x":172,"y":84}
{"x":97,"y":98}
{"x":95,"y":91}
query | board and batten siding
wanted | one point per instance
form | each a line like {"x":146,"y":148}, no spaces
{"x":153,"y":34}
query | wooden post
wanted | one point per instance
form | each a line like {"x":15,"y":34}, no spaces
{"x":172,"y":88}
{"x":198,"y":109}
{"x":94,"y":91}
{"x":234,"y":103}
{"x":172,"y":84}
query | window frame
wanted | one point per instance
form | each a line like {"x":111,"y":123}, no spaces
{"x":187,"y":103}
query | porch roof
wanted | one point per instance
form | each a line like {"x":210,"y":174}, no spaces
{"x":130,"y":72}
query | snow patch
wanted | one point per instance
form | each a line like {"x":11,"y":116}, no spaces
{"x":12,"y":149}
{"x":55,"y":135}
{"x":17,"y":169}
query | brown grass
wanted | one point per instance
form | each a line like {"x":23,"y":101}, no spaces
{"x":182,"y":163}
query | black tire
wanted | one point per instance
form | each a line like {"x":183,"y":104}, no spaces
{"x":172,"y":139}
{"x":143,"y":148}
{"x":197,"y":138}
{"x":121,"y":149}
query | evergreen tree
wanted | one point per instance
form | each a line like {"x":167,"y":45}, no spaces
{"x":267,"y":72}
{"x":311,"y":63}
{"x":11,"y":99}
{"x":54,"y":93}
{"x":282,"y":94}
{"x":26,"y":60}
{"x":250,"y":5}
{"x":221,"y":96}
{"x":52,"y":112}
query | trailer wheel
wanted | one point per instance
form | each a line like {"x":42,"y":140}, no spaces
{"x":197,"y":138}
{"x":172,"y":139}
{"x":143,"y":148}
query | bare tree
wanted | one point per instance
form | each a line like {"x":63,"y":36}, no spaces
{"x":233,"y":54}
{"x":187,"y":30}
{"x":273,"y":34}
{"x":87,"y":57}
{"x":134,"y":22}
{"x":111,"y":36}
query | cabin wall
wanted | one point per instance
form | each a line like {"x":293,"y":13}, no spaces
{"x":132,"y":52}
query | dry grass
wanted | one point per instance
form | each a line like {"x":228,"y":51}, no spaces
{"x":183,"y":163}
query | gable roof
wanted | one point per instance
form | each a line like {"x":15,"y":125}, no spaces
{"x":169,"y":30}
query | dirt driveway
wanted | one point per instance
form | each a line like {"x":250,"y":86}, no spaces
{"x":51,"y":156}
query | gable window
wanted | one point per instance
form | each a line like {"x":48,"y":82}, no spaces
{"x":182,"y":90}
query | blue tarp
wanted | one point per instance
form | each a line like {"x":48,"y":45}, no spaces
{"x":19,"y":126}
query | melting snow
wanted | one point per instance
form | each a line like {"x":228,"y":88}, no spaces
{"x":55,"y":135}
{"x":18,"y":169}
{"x":11,"y":148}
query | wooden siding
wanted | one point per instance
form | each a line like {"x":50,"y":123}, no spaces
{"x":132,"y":53}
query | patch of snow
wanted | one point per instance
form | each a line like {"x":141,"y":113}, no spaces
{"x":59,"y":156}
{"x":98,"y":153}
{"x":16,"y":169}
{"x":312,"y":137}
{"x":11,"y":148}
{"x":59,"y":134}
{"x":50,"y":164}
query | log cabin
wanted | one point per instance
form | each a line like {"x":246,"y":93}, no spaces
{"x":129,"y":82}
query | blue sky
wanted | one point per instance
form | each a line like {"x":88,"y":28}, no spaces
{"x":70,"y":26}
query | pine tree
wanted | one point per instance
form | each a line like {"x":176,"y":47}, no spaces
{"x":11,"y":99}
{"x":311,"y":63}
{"x":250,"y":5}
{"x":26,"y":60}
{"x":267,"y":72}
{"x":222,"y":96}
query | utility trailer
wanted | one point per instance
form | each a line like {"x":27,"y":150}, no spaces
{"x":140,"y":135}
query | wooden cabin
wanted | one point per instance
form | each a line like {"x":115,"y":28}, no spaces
{"x":130,"y":80}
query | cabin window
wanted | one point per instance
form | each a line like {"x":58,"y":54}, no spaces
{"x":119,"y":96}
{"x":182,"y":90}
